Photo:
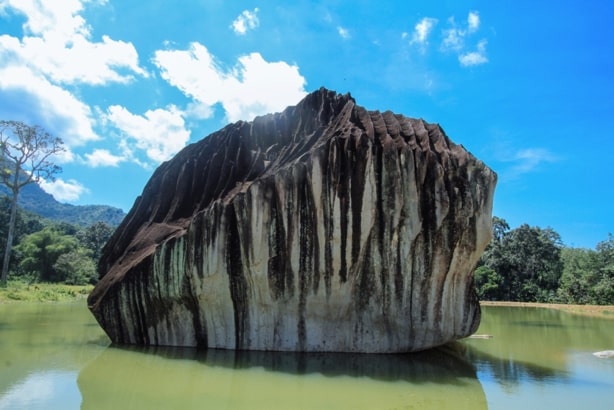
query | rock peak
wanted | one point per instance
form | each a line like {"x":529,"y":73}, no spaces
{"x":324,"y":227}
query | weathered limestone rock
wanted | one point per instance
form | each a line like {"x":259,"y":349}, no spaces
{"x":326,"y":227}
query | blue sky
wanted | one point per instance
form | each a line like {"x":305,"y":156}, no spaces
{"x":525,"y":86}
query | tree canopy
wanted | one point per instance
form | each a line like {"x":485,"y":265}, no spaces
{"x":530,"y":264}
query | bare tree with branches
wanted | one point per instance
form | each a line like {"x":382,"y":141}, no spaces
{"x":26,"y":158}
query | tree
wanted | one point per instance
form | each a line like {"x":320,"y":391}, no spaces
{"x":527,"y":263}
{"x":26,"y":153}
{"x":38,"y":253}
{"x":588,"y":275}
{"x":76,"y":267}
{"x":488,"y":283}
{"x":578,"y":276}
{"x":603,"y":292}
{"x":95,"y":236}
{"x":499,"y":228}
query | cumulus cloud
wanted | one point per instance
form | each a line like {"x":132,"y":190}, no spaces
{"x":57,"y":45}
{"x":247,"y":20}
{"x":343,"y":32}
{"x":422,"y":30}
{"x":64,"y":191}
{"x":473,"y":21}
{"x":161,"y":133}
{"x":61,"y":113}
{"x":252,"y":87}
{"x":56,"y":51}
{"x":476,"y":57}
{"x":103,"y":158}
{"x":456,"y":37}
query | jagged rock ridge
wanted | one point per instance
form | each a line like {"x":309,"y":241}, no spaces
{"x":325,"y":227}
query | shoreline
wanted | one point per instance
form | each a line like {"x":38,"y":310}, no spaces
{"x":601,"y":311}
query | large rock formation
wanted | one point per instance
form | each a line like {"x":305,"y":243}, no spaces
{"x":326,"y":227}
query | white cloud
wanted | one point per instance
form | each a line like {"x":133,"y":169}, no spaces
{"x":526,"y":160}
{"x":343,"y":32}
{"x":473,"y":21}
{"x":161,"y":133}
{"x":61,"y":113}
{"x":64,"y":191}
{"x":474,"y":57}
{"x":57,"y":45}
{"x":252,"y":87}
{"x":199,"y":111}
{"x":422,"y":30}
{"x":103,"y":158}
{"x":453,"y":37}
{"x":523,"y":161}
{"x":56,"y":50}
{"x":247,"y":20}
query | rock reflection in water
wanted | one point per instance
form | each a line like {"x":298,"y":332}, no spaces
{"x":159,"y":377}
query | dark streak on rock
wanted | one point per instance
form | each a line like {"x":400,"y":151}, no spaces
{"x":278,"y":261}
{"x":342,"y":186}
{"x":307,"y":232}
{"x":238,"y":286}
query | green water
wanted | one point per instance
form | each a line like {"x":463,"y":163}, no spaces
{"x":54,"y":356}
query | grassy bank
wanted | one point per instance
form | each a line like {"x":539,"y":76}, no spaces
{"x":589,"y":310}
{"x":16,"y":291}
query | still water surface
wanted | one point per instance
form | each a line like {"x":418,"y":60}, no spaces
{"x":54,"y":356}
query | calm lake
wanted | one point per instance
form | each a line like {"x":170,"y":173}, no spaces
{"x":54,"y":356}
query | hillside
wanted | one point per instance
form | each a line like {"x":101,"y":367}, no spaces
{"x":32,"y":198}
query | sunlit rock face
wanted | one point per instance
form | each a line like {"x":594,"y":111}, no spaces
{"x":326,"y":227}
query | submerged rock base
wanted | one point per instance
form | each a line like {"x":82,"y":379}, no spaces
{"x":326,"y":227}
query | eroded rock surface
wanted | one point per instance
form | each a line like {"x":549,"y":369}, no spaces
{"x":326,"y":227}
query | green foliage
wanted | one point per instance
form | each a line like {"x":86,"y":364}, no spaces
{"x":38,"y":252}
{"x":489,"y":284}
{"x":578,"y":276}
{"x":60,"y":252}
{"x":527,"y":259}
{"x":51,"y":251}
{"x":530,"y":264}
{"x":76,"y":267}
{"x":95,"y":236}
{"x":588,"y":276}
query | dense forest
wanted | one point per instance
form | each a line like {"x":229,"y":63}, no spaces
{"x":53,"y":251}
{"x":527,"y":264}
{"x":530,"y":264}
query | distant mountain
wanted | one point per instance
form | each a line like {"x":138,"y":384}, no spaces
{"x":32,"y":198}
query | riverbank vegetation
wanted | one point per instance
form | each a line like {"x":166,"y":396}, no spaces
{"x":530,"y":264}
{"x":50,"y":251}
